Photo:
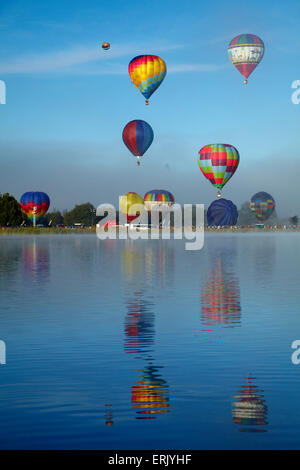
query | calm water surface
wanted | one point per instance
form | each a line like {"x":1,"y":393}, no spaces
{"x":142,"y":345}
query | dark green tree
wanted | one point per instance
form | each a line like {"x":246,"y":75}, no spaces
{"x":84,"y":214}
{"x":10,"y":211}
{"x":294,"y":220}
{"x":53,"y":218}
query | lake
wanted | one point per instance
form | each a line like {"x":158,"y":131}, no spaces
{"x":122,"y":344}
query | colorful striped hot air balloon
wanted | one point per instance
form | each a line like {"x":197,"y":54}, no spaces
{"x":158,"y":198}
{"x":35,"y":204}
{"x":218,"y":163}
{"x":147,"y":73}
{"x":245,"y":52}
{"x":138,"y":136}
{"x":127,"y":201}
{"x":263,"y":205}
{"x":160,"y":201}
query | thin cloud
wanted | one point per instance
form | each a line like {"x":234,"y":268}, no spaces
{"x":180,"y":68}
{"x":90,"y":61}
{"x":121,"y":69}
{"x":61,"y":61}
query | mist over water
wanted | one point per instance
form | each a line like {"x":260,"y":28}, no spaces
{"x":100,"y":173}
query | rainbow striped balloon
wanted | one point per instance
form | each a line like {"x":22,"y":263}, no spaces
{"x":158,"y":198}
{"x":147,"y":73}
{"x":245,"y":52}
{"x":35,"y":204}
{"x":218,"y":163}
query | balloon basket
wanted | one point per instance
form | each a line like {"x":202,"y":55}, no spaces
{"x":146,"y":102}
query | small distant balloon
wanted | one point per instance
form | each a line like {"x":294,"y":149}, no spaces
{"x":105,"y":46}
{"x":138,"y":136}
{"x":263,"y":205}
{"x":35,"y":204}
{"x":147,"y":73}
{"x":222,"y":212}
{"x":245,"y":52}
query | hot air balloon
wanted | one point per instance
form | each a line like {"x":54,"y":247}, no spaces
{"x":218,"y":162}
{"x":35,"y":204}
{"x":263,"y":205}
{"x":158,"y":200}
{"x":245,"y":52}
{"x":222,"y":212}
{"x":105,"y":46}
{"x":137,"y":136}
{"x":147,"y":73}
{"x":126,"y":203}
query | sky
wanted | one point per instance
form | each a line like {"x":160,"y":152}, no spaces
{"x":67,"y":100}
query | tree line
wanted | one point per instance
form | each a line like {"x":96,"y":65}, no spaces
{"x":85,"y":214}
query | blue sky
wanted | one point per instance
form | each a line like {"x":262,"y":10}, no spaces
{"x":68,"y":101}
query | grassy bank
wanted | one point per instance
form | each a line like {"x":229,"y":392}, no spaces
{"x":43,"y":231}
{"x":91,"y":230}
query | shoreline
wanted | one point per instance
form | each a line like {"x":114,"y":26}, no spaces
{"x":4,"y":231}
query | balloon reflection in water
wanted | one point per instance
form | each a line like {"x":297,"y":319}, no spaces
{"x":35,"y":262}
{"x":132,"y":263}
{"x":108,"y":415}
{"x":150,"y":264}
{"x":150,"y":395}
{"x":139,"y":325}
{"x":220,"y":298}
{"x":250,"y":409}
{"x":159,"y":264}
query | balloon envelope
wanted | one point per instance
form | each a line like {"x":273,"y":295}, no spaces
{"x":138,"y":136}
{"x":245,"y":52}
{"x":158,"y":198}
{"x":222,"y":212}
{"x":35,"y":203}
{"x":126,"y":203}
{"x":263,"y":205}
{"x":218,"y":163}
{"x":147,"y":73}
{"x":105,"y":46}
